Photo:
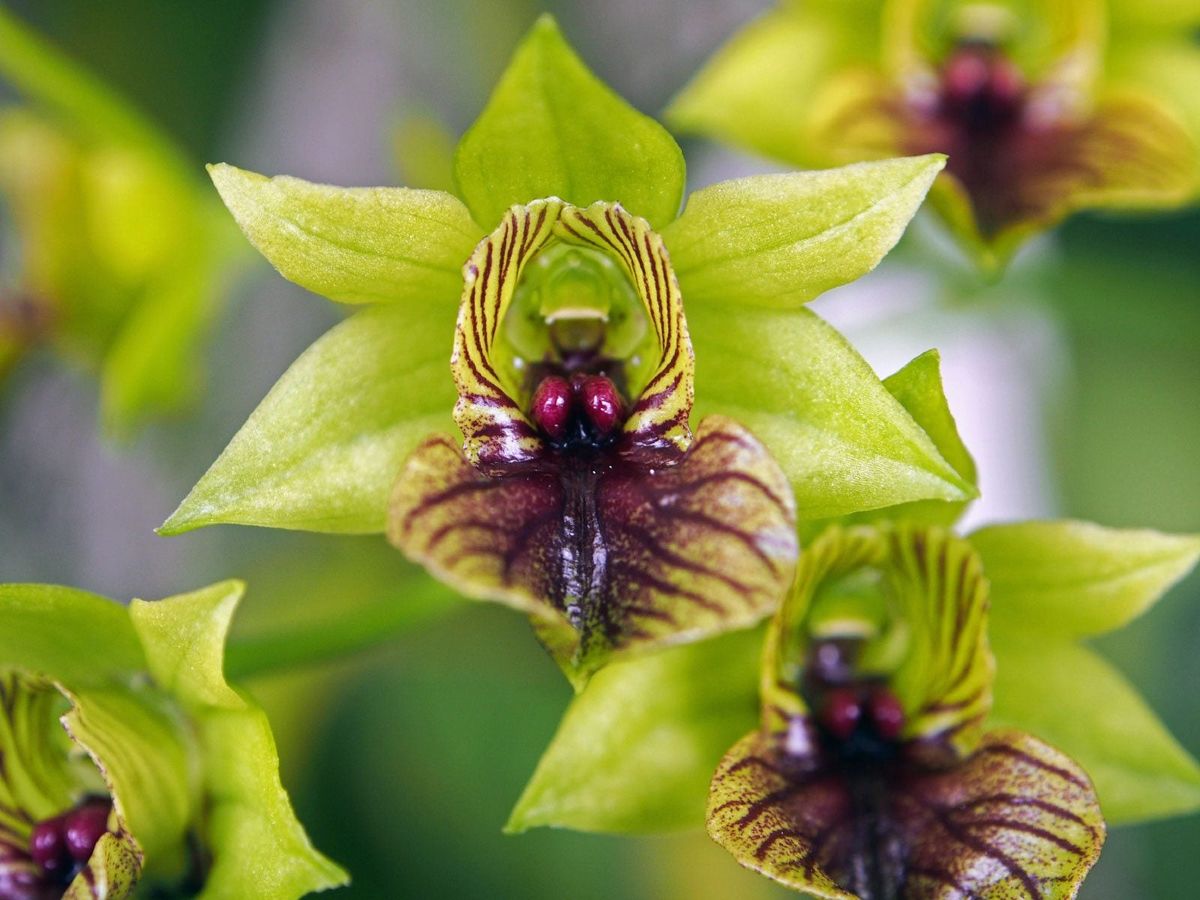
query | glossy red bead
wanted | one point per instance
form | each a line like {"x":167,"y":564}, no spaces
{"x":886,"y":713}
{"x":551,"y":407}
{"x":601,"y":404}
{"x":84,"y":827}
{"x":841,"y":713}
{"x":966,"y":76}
{"x":48,"y":846}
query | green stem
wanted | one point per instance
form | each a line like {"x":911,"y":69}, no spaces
{"x":320,"y":642}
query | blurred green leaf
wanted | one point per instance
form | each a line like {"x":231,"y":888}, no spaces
{"x":34,"y":636}
{"x":259,"y":848}
{"x":1071,"y":698}
{"x":321,"y":451}
{"x":845,"y":443}
{"x":759,"y":88}
{"x":1075,"y":579}
{"x":780,"y":240}
{"x":636,"y":750}
{"x":354,"y":245}
{"x":551,"y":128}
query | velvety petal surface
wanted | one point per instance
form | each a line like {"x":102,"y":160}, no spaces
{"x":1017,"y":819}
{"x":681,"y":551}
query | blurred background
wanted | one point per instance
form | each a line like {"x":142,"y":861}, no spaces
{"x":1075,"y":382}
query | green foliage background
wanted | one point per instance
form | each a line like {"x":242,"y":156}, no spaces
{"x":404,"y":763}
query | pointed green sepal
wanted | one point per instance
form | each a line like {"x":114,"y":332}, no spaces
{"x":551,"y":128}
{"x":354,"y":245}
{"x":845,"y":443}
{"x":1071,"y":697}
{"x":1074,"y":579}
{"x":321,"y":451}
{"x":780,"y":240}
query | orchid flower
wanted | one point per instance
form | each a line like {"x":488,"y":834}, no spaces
{"x":557,"y":285}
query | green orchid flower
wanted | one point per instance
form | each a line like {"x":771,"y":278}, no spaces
{"x":1044,"y":108}
{"x":636,"y":751}
{"x":119,"y":246}
{"x":578,"y":492}
{"x":130,"y":765}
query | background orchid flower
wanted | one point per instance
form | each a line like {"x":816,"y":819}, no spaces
{"x":649,"y":733}
{"x":119,"y":247}
{"x":564,"y":261}
{"x":1044,"y":108}
{"x":130,"y":763}
{"x":871,"y":775}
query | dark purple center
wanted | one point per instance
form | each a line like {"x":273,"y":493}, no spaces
{"x":859,"y":718}
{"x":59,"y":848}
{"x":579,"y":411}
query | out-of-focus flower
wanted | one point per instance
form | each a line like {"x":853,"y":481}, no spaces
{"x":1044,"y":108}
{"x":116,"y":247}
{"x":558,"y":280}
{"x":872,"y":776}
{"x":130,"y":763}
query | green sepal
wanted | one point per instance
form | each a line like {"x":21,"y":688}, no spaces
{"x":1067,"y":695}
{"x":551,"y":128}
{"x":845,"y":443}
{"x":321,"y":451}
{"x":918,"y":387}
{"x":780,"y":240}
{"x":259,"y":848}
{"x":354,"y":245}
{"x":636,"y":750}
{"x":1074,"y":579}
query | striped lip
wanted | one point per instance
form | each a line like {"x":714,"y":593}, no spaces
{"x":880,"y":784}
{"x":56,"y":838}
{"x":620,"y":533}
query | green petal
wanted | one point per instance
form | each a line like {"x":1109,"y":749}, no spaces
{"x":135,"y":739}
{"x":918,"y":387}
{"x":1069,"y":696}
{"x":551,"y":128}
{"x":322,"y":450}
{"x":1075,"y":579}
{"x":757,"y":91}
{"x":780,"y":240}
{"x":354,"y":245}
{"x":70,"y":636}
{"x":259,"y":848}
{"x":845,"y":443}
{"x":636,"y":750}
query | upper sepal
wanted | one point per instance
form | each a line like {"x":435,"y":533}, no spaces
{"x":551,"y":128}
